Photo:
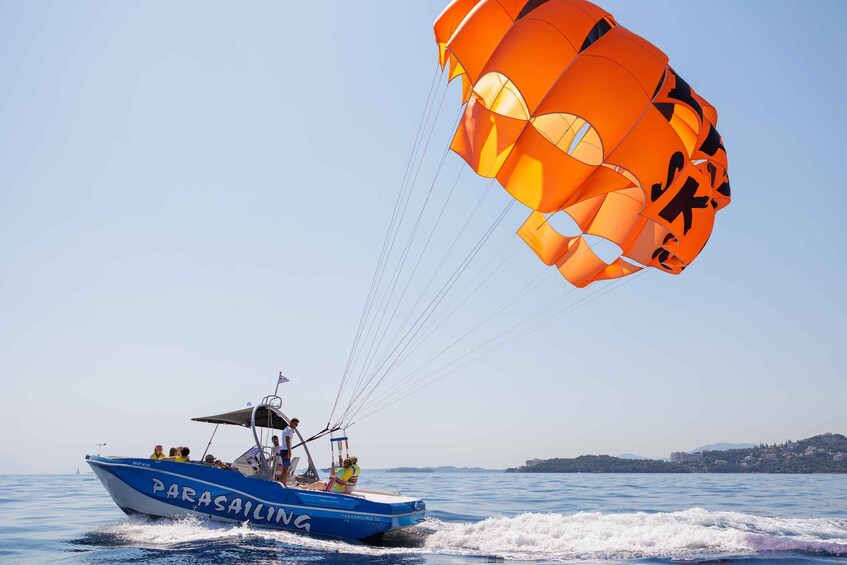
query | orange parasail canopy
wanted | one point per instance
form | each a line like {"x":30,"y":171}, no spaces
{"x":573,"y":113}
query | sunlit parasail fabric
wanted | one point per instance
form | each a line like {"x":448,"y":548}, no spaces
{"x":573,"y":113}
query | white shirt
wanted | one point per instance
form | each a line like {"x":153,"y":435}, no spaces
{"x":287,"y":433}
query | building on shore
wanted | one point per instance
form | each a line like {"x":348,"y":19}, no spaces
{"x":683,"y":457}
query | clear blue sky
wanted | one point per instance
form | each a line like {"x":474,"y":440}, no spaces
{"x":193,"y":197}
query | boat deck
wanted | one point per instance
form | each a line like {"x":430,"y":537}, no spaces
{"x":369,"y":495}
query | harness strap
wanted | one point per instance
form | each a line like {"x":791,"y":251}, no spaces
{"x":335,"y":484}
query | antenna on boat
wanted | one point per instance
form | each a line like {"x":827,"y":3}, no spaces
{"x":99,"y":445}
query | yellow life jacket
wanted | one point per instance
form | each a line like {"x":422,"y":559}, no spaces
{"x":158,"y":456}
{"x":354,"y":478}
{"x":181,"y":459}
{"x":339,"y":482}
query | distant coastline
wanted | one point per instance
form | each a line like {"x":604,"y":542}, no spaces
{"x":826,"y":453}
{"x":443,"y":469}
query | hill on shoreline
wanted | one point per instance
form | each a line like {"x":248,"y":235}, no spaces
{"x":723,"y":447}
{"x":825,"y":453}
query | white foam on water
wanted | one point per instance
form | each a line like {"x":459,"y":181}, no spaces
{"x":690,"y":534}
{"x":165,"y":534}
{"x":694,"y":533}
{"x":169,"y":534}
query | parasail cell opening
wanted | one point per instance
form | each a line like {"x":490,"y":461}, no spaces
{"x":605,"y":249}
{"x":564,"y":224}
{"x":500,"y":95}
{"x":571,"y":134}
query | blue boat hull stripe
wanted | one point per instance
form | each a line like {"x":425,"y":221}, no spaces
{"x":254,"y":497}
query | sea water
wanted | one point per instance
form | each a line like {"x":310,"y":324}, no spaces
{"x":472,"y":518}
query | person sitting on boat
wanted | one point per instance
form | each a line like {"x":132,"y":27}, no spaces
{"x":354,"y":475}
{"x":337,"y":479}
{"x":173,"y":453}
{"x":157,"y":453}
{"x":215,"y":462}
{"x":285,"y":454}
{"x":183,"y":456}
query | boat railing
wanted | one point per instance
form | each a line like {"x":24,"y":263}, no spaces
{"x":273,"y":401}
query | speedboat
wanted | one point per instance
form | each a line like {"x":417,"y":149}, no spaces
{"x":246,"y":489}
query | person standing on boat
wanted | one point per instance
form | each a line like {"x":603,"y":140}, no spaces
{"x":157,"y":453}
{"x":287,"y":442}
{"x":277,"y":450}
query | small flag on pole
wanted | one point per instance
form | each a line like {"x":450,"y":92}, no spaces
{"x":282,"y":379}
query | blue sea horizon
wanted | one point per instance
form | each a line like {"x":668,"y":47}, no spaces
{"x":538,"y":518}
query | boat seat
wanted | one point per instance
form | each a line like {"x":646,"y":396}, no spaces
{"x":294,"y":462}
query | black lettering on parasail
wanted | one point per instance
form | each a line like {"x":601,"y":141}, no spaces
{"x":685,"y":200}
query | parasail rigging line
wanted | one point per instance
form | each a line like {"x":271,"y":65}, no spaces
{"x":465,"y":294}
{"x":377,"y":341}
{"x":409,"y":188}
{"x":506,"y":304}
{"x":452,"y":308}
{"x":531,"y":286}
{"x":501,"y":308}
{"x":436,"y":300}
{"x":382,"y":302}
{"x":424,"y":316}
{"x":364,"y":380}
{"x":412,"y":274}
{"x":411,"y":377}
{"x":441,"y":264}
{"x":405,"y":352}
{"x":376,"y":275}
{"x":565,"y":310}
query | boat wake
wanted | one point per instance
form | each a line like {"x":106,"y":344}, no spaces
{"x":691,"y":534}
{"x":190,"y":533}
